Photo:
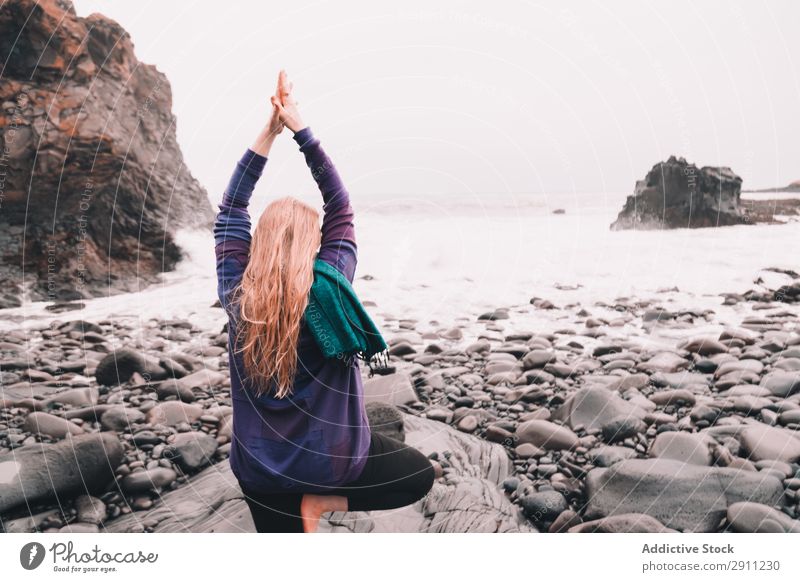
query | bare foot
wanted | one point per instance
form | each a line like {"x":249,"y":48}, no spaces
{"x":313,"y":506}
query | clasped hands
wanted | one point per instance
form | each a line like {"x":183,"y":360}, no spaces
{"x":284,"y":107}
{"x":284,"y":114}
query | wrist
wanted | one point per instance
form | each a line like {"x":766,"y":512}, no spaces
{"x":264,"y":142}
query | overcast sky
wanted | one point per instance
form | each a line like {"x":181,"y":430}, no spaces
{"x":415,"y":98}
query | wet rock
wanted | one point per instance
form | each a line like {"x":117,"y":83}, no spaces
{"x":468,"y":424}
{"x":46,"y":424}
{"x":467,"y":499}
{"x":537,"y":359}
{"x":174,"y":412}
{"x":121,"y":418}
{"x":38,"y":472}
{"x":75,"y":528}
{"x":90,"y":509}
{"x":183,"y":388}
{"x":681,"y":446}
{"x":761,"y":442}
{"x":748,"y":517}
{"x":592,"y":407}
{"x":625,"y":523}
{"x":608,"y":455}
{"x":142,"y":481}
{"x":386,"y":419}
{"x":566,"y":520}
{"x":664,"y":362}
{"x":192,"y":450}
{"x":677,"y":194}
{"x":543,"y":506}
{"x":119,"y":366}
{"x":546,"y":435}
{"x":678,"y":396}
{"x":705,"y":346}
{"x":782,"y":384}
{"x":76,"y":397}
{"x":394,"y":389}
{"x":681,"y":496}
{"x":621,"y":428}
{"x":82,"y":68}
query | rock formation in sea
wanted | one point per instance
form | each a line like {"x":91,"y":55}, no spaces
{"x":677,"y":194}
{"x":93,"y":184}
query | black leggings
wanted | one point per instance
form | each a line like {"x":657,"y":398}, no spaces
{"x":395,"y":475}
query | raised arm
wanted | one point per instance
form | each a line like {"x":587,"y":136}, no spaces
{"x":232,"y":225}
{"x":338,"y":245}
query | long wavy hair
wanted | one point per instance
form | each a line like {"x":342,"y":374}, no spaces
{"x":273,"y":294}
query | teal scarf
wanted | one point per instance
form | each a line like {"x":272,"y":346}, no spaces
{"x":337,"y":320}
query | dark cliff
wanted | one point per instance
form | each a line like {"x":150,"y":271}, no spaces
{"x":93,"y":185}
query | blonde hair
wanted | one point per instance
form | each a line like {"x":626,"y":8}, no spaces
{"x":273,"y":294}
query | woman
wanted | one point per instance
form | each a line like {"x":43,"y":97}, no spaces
{"x":301,"y":443}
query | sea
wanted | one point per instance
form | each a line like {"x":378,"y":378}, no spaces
{"x":441,"y":260}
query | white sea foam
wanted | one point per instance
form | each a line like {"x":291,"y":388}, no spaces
{"x":442,"y":260}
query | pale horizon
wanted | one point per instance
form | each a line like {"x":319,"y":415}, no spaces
{"x":468,"y":100}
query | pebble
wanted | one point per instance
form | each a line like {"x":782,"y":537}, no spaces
{"x":543,"y":506}
{"x":46,"y":424}
{"x":546,"y":435}
{"x":761,"y":442}
{"x":142,"y":481}
{"x":748,"y":517}
{"x":681,"y":446}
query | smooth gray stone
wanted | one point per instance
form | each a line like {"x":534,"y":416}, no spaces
{"x":467,"y":499}
{"x":393,"y":389}
{"x":782,"y":384}
{"x":386,"y":419}
{"x":46,"y":424}
{"x":546,"y":435}
{"x":121,"y":418}
{"x":625,"y":523}
{"x":150,"y":479}
{"x":762,"y":442}
{"x":192,"y":450}
{"x":682,"y":446}
{"x":183,"y":388}
{"x":681,"y":496}
{"x":748,"y":517}
{"x":90,"y":509}
{"x":592,"y":407}
{"x":39,"y":472}
{"x":605,"y":456}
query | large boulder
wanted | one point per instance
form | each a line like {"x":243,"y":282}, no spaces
{"x":39,"y":472}
{"x":593,"y":407}
{"x":679,"y":495}
{"x":91,"y":162}
{"x":394,"y":389}
{"x":467,"y":499}
{"x":677,"y":194}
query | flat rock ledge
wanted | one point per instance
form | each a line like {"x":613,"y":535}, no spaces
{"x":468,"y":497}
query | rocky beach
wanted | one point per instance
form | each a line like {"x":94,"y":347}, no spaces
{"x":566,"y":366}
{"x":623,"y":416}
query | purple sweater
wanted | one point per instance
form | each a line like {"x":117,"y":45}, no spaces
{"x":318,"y":436}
